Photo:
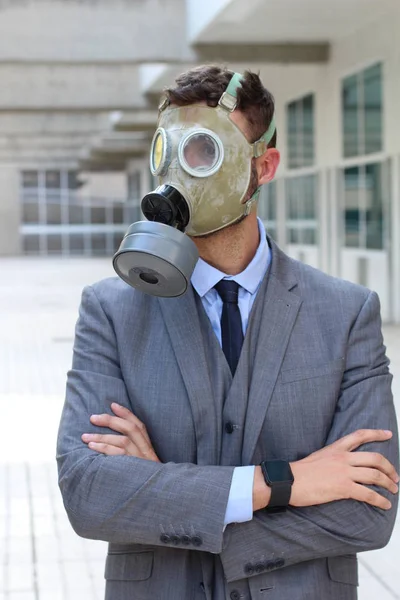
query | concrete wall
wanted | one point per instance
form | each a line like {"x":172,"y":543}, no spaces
{"x":104,"y":30}
{"x":33,"y":138}
{"x":69,"y":87}
{"x":9,"y":211}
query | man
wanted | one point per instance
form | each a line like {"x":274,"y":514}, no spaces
{"x":238,"y":441}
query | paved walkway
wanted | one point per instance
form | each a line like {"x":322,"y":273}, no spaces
{"x":41,"y":558}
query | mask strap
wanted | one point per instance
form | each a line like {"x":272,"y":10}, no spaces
{"x":228,"y":100}
{"x":261,"y":145}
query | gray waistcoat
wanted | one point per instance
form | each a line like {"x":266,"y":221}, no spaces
{"x":231,"y":396}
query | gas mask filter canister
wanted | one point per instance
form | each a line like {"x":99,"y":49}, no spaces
{"x":204,"y":165}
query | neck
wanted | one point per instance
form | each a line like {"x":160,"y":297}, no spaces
{"x":230,"y":250}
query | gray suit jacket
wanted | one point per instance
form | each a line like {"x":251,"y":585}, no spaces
{"x":313,"y":368}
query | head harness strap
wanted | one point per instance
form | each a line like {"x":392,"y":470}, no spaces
{"x":228,"y":101}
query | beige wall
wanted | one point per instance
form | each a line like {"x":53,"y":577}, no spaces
{"x":9,"y":211}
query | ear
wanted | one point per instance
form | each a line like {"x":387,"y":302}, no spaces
{"x":267,"y":165}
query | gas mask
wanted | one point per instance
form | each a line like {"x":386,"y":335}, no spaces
{"x":204,"y":166}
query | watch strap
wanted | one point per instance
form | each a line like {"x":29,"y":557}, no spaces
{"x":280,"y":491}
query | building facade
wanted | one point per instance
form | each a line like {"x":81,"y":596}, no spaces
{"x":78,"y":110}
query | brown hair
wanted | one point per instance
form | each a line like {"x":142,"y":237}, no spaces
{"x":207,"y":83}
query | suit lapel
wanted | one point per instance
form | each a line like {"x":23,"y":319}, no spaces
{"x":279,"y":308}
{"x":182,"y":322}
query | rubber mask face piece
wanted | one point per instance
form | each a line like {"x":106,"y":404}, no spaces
{"x":198,"y":151}
{"x":204,"y":166}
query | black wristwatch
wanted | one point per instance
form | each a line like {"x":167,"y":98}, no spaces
{"x":279,"y":477}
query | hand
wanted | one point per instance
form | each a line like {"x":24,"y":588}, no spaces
{"x":134,"y":440}
{"x":336,"y":472}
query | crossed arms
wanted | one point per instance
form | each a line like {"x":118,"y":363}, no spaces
{"x":136,"y":499}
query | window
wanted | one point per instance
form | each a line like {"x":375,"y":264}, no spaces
{"x":118,"y":213}
{"x":301,"y":211}
{"x":267,"y":207}
{"x":30,"y":179}
{"x":362,"y":112}
{"x":77,"y":243}
{"x":31,"y":244}
{"x":54,"y":244}
{"x":363,"y":199}
{"x":56,"y":219}
{"x":53,"y":180}
{"x":300,"y":132}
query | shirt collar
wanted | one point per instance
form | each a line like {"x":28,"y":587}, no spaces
{"x":205,"y":277}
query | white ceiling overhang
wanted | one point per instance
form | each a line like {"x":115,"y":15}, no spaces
{"x":279,"y":22}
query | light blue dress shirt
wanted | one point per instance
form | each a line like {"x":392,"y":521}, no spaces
{"x":204,"y":278}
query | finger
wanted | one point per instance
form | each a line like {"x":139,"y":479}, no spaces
{"x":364,"y":494}
{"x":113,"y":440}
{"x":373,"y":477}
{"x":106,"y":449}
{"x":125,"y":413}
{"x":375,"y":460}
{"x":361,"y":436}
{"x":128,"y":429}
{"x":114,"y":423}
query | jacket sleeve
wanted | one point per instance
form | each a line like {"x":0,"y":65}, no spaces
{"x":272,"y":541}
{"x":123,"y":499}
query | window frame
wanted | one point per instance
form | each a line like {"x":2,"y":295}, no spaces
{"x":298,"y":101}
{"x":302,"y":224}
{"x":358,"y":72}
{"x":43,"y":196}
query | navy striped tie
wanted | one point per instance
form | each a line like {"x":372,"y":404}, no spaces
{"x":231,"y":322}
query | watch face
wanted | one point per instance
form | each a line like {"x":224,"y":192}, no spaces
{"x":279,"y":471}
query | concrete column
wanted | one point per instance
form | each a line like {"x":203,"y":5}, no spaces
{"x":10,"y":212}
{"x":323,"y":221}
{"x":335,"y":216}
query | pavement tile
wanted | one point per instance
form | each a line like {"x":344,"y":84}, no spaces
{"x":19,"y":507}
{"x":20,"y":550}
{"x":19,"y":525}
{"x":42,"y":506}
{"x":372,"y":589}
{"x":3,"y":556}
{"x":18,"y":483}
{"x":77,"y":575}
{"x":47,"y":549}
{"x":3,"y":526}
{"x":96,"y":550}
{"x":97,"y":570}
{"x":50,"y":576}
{"x":20,"y":578}
{"x":72,"y":549}
{"x":44,"y":525}
{"x":53,"y":595}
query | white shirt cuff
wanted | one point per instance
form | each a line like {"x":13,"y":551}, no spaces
{"x":240,"y":502}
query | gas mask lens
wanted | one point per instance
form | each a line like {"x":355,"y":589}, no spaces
{"x":159,"y":152}
{"x":201,"y":153}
